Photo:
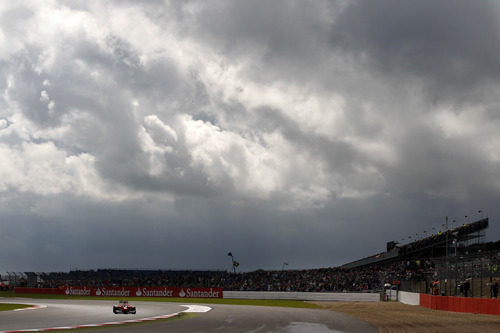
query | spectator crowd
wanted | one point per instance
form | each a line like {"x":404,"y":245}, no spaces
{"x":336,"y":279}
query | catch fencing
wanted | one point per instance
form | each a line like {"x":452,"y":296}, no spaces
{"x":468,"y":275}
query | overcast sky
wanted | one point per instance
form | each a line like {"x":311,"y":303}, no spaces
{"x":164,"y":134}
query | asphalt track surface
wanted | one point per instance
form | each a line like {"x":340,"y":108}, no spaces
{"x":222,"y":318}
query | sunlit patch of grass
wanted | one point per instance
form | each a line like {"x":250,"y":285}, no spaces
{"x":256,"y":302}
{"x":10,"y":307}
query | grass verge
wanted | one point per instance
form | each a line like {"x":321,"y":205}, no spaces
{"x":9,"y":307}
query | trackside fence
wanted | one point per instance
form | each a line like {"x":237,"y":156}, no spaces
{"x":304,"y":296}
{"x":450,"y":303}
{"x":466,"y":275}
{"x":461,"y":304}
{"x":409,"y":298}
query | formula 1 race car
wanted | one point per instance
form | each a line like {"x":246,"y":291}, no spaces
{"x":124,"y":307}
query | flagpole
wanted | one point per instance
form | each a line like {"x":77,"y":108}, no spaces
{"x":232,"y":261}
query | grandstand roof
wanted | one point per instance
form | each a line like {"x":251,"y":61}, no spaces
{"x":465,"y":232}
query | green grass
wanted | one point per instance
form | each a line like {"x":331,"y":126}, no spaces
{"x":256,"y":302}
{"x":9,"y":307}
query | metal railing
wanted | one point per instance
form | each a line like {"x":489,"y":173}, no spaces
{"x":465,"y":275}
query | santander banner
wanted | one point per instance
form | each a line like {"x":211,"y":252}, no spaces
{"x":128,"y":291}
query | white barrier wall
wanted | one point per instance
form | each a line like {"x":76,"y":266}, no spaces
{"x":304,"y":296}
{"x":409,"y":298}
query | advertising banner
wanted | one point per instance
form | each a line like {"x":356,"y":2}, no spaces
{"x":187,"y":292}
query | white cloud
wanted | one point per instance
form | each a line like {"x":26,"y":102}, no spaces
{"x":458,"y":123}
{"x":226,"y":156}
{"x":257,"y":168}
{"x":157,"y":140}
{"x":44,"y":97}
{"x":470,"y":125}
{"x":43,"y":169}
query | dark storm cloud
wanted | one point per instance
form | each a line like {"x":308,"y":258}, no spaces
{"x":285,"y":39}
{"x":443,"y":168}
{"x":453,"y":45}
{"x":309,"y":132}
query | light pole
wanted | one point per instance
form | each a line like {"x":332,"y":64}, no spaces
{"x":447,"y":259}
{"x":446,"y":226}
{"x":234,"y":262}
{"x":455,"y":243}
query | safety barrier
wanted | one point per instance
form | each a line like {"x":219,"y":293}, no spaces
{"x":409,"y":298}
{"x":46,"y":291}
{"x":304,"y":296}
{"x":461,"y":304}
{"x":187,"y":292}
{"x":450,"y":303}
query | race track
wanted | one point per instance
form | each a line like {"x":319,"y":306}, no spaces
{"x":222,"y":318}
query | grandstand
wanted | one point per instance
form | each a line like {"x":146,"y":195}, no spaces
{"x":462,"y":240}
{"x":451,"y":259}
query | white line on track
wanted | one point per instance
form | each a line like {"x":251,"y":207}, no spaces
{"x":190,"y":308}
{"x":197,"y":308}
{"x":33,"y":307}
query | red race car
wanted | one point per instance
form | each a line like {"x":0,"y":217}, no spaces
{"x":124,"y":307}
